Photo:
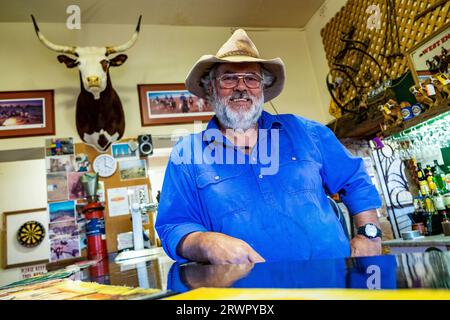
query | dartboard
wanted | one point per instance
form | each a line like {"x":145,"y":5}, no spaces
{"x":31,"y":234}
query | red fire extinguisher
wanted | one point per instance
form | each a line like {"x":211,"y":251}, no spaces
{"x":95,"y":230}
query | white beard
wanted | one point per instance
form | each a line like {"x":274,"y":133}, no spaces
{"x":237,"y":120}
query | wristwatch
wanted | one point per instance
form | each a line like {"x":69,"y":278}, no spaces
{"x":370,"y":231}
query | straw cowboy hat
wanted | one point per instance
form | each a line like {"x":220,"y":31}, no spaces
{"x":239,"y":48}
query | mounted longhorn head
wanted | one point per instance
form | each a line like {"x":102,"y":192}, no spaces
{"x":99,"y":115}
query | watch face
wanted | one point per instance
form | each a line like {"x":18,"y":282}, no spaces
{"x":371,"y":230}
{"x":105,"y":165}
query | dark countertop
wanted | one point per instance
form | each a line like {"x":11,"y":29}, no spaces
{"x":412,"y":270}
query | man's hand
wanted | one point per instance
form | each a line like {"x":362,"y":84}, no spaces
{"x":217,"y":248}
{"x":362,"y":246}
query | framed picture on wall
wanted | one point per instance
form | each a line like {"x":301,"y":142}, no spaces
{"x":162,"y":104}
{"x":430,"y":56}
{"x":27,"y":113}
{"x":25,"y":238}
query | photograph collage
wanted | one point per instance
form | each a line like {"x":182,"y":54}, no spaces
{"x":66,"y":195}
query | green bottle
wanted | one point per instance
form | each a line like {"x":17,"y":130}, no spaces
{"x":439,"y":177}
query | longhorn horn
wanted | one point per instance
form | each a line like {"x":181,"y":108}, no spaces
{"x":128,"y":44}
{"x":50,"y":45}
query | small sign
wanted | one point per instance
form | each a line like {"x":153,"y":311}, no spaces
{"x":32,"y":271}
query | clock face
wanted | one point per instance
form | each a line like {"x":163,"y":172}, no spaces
{"x":105,"y":165}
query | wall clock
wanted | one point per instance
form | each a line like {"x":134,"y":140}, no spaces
{"x":105,"y":165}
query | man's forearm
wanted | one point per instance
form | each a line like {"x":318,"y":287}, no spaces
{"x":217,"y":248}
{"x":360,"y":245}
{"x":190,"y":247}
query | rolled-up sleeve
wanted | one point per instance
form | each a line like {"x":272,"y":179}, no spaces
{"x":179,"y":211}
{"x":344,"y":173}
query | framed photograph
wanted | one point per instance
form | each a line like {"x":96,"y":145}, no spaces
{"x":25,"y":238}
{"x":171,"y":103}
{"x":26,"y":113}
{"x":431,"y":55}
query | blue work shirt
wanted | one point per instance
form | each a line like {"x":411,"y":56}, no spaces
{"x":282,"y":216}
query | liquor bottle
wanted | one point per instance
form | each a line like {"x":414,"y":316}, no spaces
{"x":438,"y":202}
{"x":439,"y":176}
{"x":447,"y":178}
{"x":423,"y":184}
{"x":429,"y":205}
{"x":430,"y":179}
{"x":429,"y":213}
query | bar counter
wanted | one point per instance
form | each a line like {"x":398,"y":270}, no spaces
{"x":429,"y":270}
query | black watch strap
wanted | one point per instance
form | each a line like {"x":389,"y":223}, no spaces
{"x":362,"y":231}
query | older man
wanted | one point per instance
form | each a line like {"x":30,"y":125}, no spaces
{"x":253,"y":186}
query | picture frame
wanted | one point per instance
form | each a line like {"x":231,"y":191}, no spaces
{"x":426,"y":50}
{"x":27,"y":113}
{"x":163,"y":104}
{"x":17,"y":255}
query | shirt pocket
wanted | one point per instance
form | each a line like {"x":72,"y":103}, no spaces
{"x":223,"y":190}
{"x":299,"y":175}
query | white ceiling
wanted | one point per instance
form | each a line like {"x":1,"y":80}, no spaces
{"x":224,"y":13}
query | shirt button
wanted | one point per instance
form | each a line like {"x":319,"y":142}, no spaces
{"x":216,"y":178}
{"x":294,"y":158}
{"x":260,"y":176}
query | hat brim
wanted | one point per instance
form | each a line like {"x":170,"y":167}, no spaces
{"x":203,"y":65}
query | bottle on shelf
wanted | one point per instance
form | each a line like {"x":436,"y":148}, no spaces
{"x":447,"y":178}
{"x":440,"y":213}
{"x":429,"y":213}
{"x":440,"y":178}
{"x":430,"y":179}
{"x":423,"y":184}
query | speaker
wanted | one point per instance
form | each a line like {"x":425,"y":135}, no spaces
{"x":145,"y":145}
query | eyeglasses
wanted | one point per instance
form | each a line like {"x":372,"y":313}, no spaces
{"x":231,"y":80}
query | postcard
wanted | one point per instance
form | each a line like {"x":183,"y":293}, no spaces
{"x":74,"y":186}
{"x":122,"y":151}
{"x":118,"y":202}
{"x":64,"y":163}
{"x":64,"y":248}
{"x":63,"y":229}
{"x":56,"y":187}
{"x":61,"y":211}
{"x":133,"y":169}
{"x":59,"y":146}
{"x":138,"y":194}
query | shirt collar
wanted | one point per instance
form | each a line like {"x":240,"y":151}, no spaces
{"x":269,"y":121}
{"x":266,"y":121}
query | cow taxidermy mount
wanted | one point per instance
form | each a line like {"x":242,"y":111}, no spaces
{"x":99,"y":114}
